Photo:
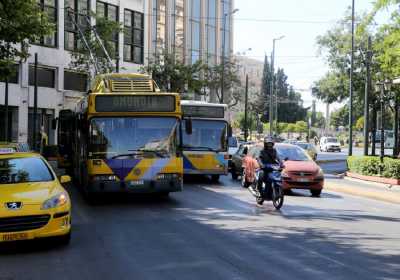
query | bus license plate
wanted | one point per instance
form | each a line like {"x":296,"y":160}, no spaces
{"x":136,"y":183}
{"x":15,"y":236}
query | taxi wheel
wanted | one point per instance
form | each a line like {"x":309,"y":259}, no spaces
{"x":315,"y":193}
{"x":64,"y":239}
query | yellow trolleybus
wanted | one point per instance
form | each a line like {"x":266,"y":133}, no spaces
{"x":206,"y":148}
{"x":126,"y":137}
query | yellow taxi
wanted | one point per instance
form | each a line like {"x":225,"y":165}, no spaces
{"x":33,"y":203}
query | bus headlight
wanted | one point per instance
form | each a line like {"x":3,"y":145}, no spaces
{"x":55,"y":201}
{"x":104,"y":178}
{"x":167,"y":176}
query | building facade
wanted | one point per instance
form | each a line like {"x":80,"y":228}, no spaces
{"x":192,"y":29}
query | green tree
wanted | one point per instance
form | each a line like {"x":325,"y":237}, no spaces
{"x":21,"y":22}
{"x":301,"y":127}
{"x":360,"y":124}
{"x":212,"y":76}
{"x":175,"y":76}
{"x":340,"y":117}
{"x":262,"y":100}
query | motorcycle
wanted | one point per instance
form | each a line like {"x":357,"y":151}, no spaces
{"x":273,"y":193}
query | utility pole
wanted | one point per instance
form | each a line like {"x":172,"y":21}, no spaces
{"x":366,"y":95}
{"x":396,"y":127}
{"x":6,"y":111}
{"x":246,"y":97}
{"x":351,"y":83}
{"x":35,"y":97}
{"x":223,"y":60}
{"x":271,"y":91}
{"x":373,"y":134}
{"x":382,"y":122}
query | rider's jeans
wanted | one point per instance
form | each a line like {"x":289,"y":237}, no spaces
{"x":263,"y":177}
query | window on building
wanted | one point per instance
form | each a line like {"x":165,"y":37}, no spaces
{"x":159,"y":27}
{"x":211,"y":27}
{"x":49,"y":7}
{"x":75,"y":81}
{"x":226,"y":26}
{"x":195,"y":30}
{"x":179,"y":41}
{"x":133,"y":36}
{"x":111,"y":13}
{"x":14,"y":77}
{"x":45,"y":76}
{"x":75,"y":11}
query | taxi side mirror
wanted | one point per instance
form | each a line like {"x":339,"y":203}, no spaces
{"x":188,"y":126}
{"x":65,"y":179}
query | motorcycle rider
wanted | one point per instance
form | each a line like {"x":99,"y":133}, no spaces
{"x":268,"y":156}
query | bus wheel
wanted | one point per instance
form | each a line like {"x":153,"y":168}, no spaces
{"x":215,"y":178}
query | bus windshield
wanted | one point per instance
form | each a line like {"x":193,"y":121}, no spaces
{"x":111,"y":137}
{"x":207,"y":135}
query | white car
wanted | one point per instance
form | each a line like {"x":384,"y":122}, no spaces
{"x":329,"y":144}
{"x":233,"y":145}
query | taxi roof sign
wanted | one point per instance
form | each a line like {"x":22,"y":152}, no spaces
{"x":7,"y":151}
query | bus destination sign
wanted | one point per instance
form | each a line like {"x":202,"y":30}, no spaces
{"x":204,"y":112}
{"x":135,"y":103}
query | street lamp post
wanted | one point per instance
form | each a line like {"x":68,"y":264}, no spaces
{"x":272,"y":87}
{"x":351,"y":83}
{"x":223,"y":53}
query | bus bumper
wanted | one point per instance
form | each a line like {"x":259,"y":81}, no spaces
{"x":140,"y":186}
{"x":204,"y":172}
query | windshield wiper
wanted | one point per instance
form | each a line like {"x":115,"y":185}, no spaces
{"x":202,"y":148}
{"x":127,"y":155}
{"x":159,"y":153}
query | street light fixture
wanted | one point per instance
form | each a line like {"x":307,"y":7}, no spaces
{"x":223,"y":53}
{"x":271,"y":119}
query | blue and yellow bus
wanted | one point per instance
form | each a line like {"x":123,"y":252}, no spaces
{"x":205,"y":150}
{"x":126,"y":137}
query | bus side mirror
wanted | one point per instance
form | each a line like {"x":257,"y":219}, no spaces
{"x":188,"y":126}
{"x":54,"y":123}
{"x":229,"y":130}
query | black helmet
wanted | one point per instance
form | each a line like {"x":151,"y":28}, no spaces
{"x":269,"y":140}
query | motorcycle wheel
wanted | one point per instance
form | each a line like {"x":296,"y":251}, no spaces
{"x":277,"y":196}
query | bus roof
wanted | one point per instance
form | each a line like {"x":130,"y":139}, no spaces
{"x":124,"y":82}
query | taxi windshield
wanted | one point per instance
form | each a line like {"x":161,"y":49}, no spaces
{"x":24,"y":170}
{"x":292,"y":153}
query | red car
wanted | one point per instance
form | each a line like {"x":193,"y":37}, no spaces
{"x":300,"y":171}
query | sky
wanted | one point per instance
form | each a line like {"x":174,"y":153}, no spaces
{"x":259,"y":21}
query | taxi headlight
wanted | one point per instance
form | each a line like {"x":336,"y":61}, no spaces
{"x":284,"y":174}
{"x":320,"y":174}
{"x":55,"y":201}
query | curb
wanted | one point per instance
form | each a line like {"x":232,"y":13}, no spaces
{"x":385,"y":196}
{"x":331,"y":160}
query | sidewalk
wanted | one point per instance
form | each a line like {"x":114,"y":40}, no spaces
{"x":365,"y":189}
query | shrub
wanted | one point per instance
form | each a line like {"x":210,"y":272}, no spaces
{"x":371,"y":166}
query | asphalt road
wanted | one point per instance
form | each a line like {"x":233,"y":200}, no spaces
{"x":217,"y":232}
